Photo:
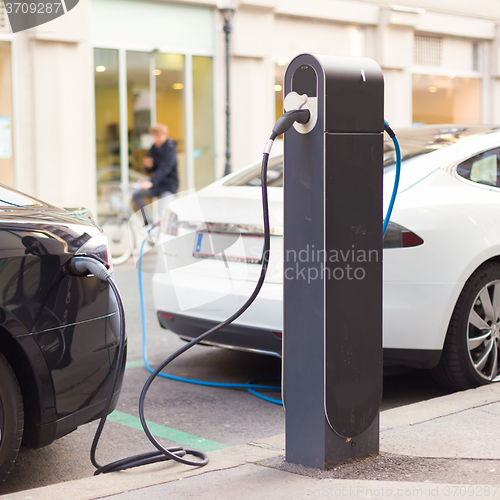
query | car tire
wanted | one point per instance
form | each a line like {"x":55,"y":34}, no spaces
{"x":471,"y":356}
{"x":116,"y":229}
{"x":11,"y":418}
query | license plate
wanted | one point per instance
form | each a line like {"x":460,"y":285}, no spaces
{"x":229,"y":246}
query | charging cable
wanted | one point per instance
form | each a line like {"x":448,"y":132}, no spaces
{"x":251,"y":386}
{"x":81,"y":265}
{"x":395,"y":141}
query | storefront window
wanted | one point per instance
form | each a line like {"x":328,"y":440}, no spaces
{"x":107,"y":127}
{"x":446,"y":99}
{"x":6,"y":145}
{"x":203,"y":111}
{"x":139,"y":112}
{"x":155,"y":92}
{"x":169,"y":72}
{"x":279,"y":75}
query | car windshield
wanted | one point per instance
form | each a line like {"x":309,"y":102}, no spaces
{"x":413,"y":141}
{"x":10,"y":198}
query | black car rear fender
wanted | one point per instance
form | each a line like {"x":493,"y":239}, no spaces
{"x":34,"y":380}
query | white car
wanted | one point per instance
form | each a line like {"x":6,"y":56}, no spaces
{"x":441,"y":257}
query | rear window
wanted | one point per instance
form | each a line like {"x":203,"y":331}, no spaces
{"x":413,"y":141}
{"x":251,"y":176}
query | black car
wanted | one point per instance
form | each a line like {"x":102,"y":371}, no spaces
{"x":59,"y":333}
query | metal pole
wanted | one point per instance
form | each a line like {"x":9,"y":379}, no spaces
{"x":227,"y":14}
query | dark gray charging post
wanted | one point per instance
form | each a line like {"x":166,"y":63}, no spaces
{"x":332,"y":360}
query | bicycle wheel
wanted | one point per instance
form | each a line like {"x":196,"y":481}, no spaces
{"x":116,"y":228}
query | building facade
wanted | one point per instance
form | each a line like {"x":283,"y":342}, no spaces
{"x":78,"y":94}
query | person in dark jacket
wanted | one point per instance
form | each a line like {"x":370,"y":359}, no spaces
{"x":161,"y":164}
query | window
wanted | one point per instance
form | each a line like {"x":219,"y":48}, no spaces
{"x":446,"y":99}
{"x":482,"y":168}
{"x":279,"y":75}
{"x":170,"y":104}
{"x":6,"y":139}
{"x":203,"y":121}
{"x":107,"y":127}
{"x":157,"y":90}
{"x":428,"y":50}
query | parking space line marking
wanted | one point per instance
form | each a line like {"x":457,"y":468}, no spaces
{"x":162,"y":431}
{"x":134,"y":364}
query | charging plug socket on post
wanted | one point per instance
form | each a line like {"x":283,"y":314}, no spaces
{"x":332,"y":328}
{"x":293,"y":100}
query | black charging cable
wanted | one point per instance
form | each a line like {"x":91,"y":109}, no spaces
{"x":81,"y":265}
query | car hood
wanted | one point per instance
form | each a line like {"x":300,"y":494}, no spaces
{"x":72,"y":228}
{"x":45,"y":214}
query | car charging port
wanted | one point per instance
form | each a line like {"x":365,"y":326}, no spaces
{"x":83,"y":265}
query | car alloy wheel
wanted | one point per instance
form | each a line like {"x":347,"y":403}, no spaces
{"x":484,"y":330}
{"x":470,"y":355}
{"x":11,"y":418}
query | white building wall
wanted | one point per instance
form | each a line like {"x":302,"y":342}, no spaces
{"x":252,"y":99}
{"x":374,"y":28}
{"x":54,"y":156}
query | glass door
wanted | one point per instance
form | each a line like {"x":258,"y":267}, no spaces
{"x":107,"y":128}
{"x":170,"y":109}
{"x":139,"y":94}
{"x":134,"y":90}
{"x":203,"y":121}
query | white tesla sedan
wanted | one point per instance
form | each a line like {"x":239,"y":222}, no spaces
{"x":441,"y":257}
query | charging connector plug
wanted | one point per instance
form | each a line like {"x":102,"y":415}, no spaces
{"x":81,"y":265}
{"x":286,"y":120}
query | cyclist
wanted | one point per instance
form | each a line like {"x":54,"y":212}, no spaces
{"x":161,"y":163}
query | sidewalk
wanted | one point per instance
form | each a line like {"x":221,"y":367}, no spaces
{"x":447,"y":447}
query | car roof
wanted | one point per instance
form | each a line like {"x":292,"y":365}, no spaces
{"x":422,"y":139}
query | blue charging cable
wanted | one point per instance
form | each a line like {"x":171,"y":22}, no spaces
{"x":251,"y":386}
{"x":392,"y":135}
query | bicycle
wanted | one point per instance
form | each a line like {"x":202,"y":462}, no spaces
{"x":125,"y":221}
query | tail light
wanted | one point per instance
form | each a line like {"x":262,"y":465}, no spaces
{"x":398,"y":236}
{"x":98,"y":246}
{"x":165,"y":315}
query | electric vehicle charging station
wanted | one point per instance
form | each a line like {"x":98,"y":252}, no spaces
{"x":332,"y":351}
{"x":332,"y":332}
